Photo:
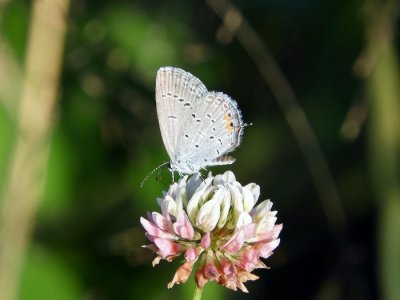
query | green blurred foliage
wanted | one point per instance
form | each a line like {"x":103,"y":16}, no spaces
{"x":87,"y":238}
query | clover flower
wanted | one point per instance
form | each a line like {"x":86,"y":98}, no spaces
{"x":213,"y":221}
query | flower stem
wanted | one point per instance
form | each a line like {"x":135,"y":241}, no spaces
{"x":197,"y":293}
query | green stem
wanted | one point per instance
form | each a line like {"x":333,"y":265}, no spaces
{"x":197,"y":293}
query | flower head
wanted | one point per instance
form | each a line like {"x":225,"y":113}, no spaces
{"x":217,"y":222}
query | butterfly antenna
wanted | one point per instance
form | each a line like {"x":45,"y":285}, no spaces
{"x":152,"y":172}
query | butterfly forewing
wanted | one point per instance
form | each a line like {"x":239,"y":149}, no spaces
{"x":177,"y":92}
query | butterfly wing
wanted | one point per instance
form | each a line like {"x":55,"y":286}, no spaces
{"x":212,"y":128}
{"x":177,"y":93}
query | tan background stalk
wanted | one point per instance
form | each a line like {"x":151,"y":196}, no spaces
{"x":381,"y":67}
{"x":34,"y":122}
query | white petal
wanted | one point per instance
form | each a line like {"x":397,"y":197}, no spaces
{"x":243,"y":219}
{"x":195,"y":201}
{"x":225,"y":207}
{"x":171,"y":206}
{"x":260,"y":211}
{"x":193,"y":184}
{"x":208,"y":215}
{"x":226,"y":178}
{"x":248,"y":199}
{"x":254,"y":189}
{"x":237,"y":202}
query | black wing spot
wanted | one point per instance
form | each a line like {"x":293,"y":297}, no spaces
{"x":209,"y":116}
{"x":181,"y":100}
{"x":194,"y":116}
{"x":186,"y":136}
{"x":186,"y":104}
{"x":220,"y":141}
{"x":218,"y":152}
{"x":205,"y":159}
{"x":198,"y":120}
{"x":175,"y":96}
{"x":197,"y":146}
{"x":214,"y":129}
{"x":213,"y":121}
{"x":169,"y":94}
{"x":211,"y":137}
{"x":172,"y":117}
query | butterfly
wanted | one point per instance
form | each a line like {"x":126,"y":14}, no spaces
{"x":199,"y":128}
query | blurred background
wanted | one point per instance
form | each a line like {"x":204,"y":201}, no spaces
{"x":318,"y":80}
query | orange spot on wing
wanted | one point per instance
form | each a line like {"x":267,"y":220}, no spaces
{"x":229,"y":125}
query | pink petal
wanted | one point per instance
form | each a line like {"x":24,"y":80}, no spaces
{"x":227,"y":267}
{"x":265,"y":249}
{"x":191,"y":254}
{"x":235,"y":242}
{"x":268,"y":235}
{"x":248,"y":259}
{"x":183,"y":227}
{"x":206,"y":240}
{"x":249,"y":230}
{"x":155,"y":231}
{"x":167,"y":248}
{"x":161,"y":221}
{"x":211,"y":271}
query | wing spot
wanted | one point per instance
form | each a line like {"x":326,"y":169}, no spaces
{"x":175,"y":96}
{"x":186,"y":136}
{"x":217,"y":151}
{"x":169,"y":94}
{"x":209,"y":116}
{"x":214,"y":129}
{"x":194,"y":116}
{"x":220,"y":141}
{"x":197,"y":146}
{"x":186,"y":104}
{"x":172,"y":117}
{"x":211,"y":137}
{"x":181,"y":100}
{"x":163,"y":95}
{"x":213,"y":121}
{"x":198,"y":120}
